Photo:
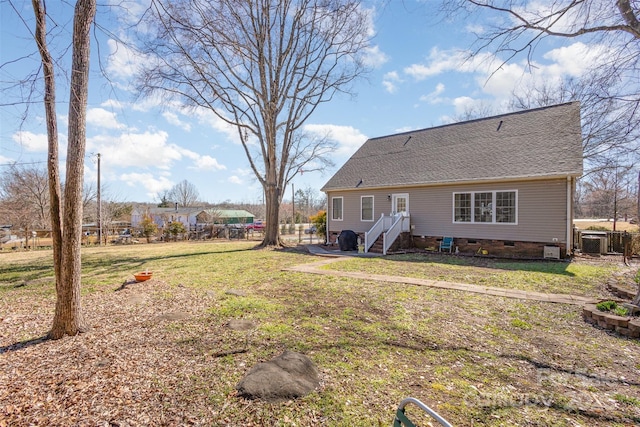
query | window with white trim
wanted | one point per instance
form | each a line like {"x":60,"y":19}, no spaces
{"x":336,"y":208}
{"x":486,"y":207}
{"x":366,"y":208}
{"x":462,"y":207}
{"x":506,"y":207}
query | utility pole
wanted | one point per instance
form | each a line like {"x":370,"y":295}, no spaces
{"x":99,"y":219}
{"x":293,"y":207}
{"x":615,"y":199}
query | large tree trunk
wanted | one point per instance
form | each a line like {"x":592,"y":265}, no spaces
{"x":52,"y":137}
{"x":272,"y":229}
{"x":68,"y":319}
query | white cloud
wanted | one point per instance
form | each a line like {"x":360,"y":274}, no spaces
{"x":5,"y":160}
{"x":31,"y":141}
{"x":374,"y":57}
{"x":172,"y":118}
{"x":208,"y":117}
{"x":124,"y":62}
{"x":463,"y":104}
{"x":566,"y":21}
{"x":475,"y":29}
{"x":143,"y":150}
{"x":153,"y":185}
{"x":102,"y":118}
{"x":575,"y":59}
{"x":349,"y":139}
{"x":112,"y":104}
{"x":438,"y":62}
{"x":207,"y":163}
{"x":499,"y":80}
{"x":434,"y":97}
{"x":234,"y":179}
{"x":390,"y":80}
{"x":442,"y":61}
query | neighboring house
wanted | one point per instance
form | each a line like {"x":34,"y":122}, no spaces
{"x":502,"y":184}
{"x":232,"y":216}
{"x":193,"y":218}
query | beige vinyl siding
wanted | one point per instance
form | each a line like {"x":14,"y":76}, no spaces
{"x":541,"y":211}
{"x":351,"y":209}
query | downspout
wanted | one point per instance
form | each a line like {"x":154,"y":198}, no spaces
{"x":326,"y":224}
{"x":569,"y":241}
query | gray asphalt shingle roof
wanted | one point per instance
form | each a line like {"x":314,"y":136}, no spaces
{"x":543,"y":142}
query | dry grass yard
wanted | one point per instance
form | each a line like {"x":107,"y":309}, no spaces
{"x":620,"y":225}
{"x":159,"y":353}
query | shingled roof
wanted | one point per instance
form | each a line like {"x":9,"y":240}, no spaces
{"x":540,"y":143}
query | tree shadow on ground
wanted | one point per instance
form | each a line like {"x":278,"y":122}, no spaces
{"x":24,"y":344}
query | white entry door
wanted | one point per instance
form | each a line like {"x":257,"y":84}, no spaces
{"x":400,"y":203}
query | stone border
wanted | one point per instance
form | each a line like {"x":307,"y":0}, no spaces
{"x":623,"y":325}
{"x":620,"y":291}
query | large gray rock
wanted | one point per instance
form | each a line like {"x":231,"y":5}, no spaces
{"x":286,"y":376}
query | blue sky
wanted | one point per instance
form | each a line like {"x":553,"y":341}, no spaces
{"x":419,"y":80}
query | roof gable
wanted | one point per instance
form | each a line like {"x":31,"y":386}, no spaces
{"x":538,"y":143}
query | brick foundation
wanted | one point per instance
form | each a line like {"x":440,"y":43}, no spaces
{"x":500,"y":248}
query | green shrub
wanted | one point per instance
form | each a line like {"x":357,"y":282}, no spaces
{"x":606,"y":305}
{"x":620,"y":311}
{"x":320,"y":221}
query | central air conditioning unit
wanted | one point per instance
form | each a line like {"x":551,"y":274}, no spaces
{"x":594,"y":243}
{"x":552,"y":252}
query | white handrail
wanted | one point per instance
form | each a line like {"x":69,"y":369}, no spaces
{"x":372,"y":235}
{"x":393,"y":232}
{"x":389,"y":227}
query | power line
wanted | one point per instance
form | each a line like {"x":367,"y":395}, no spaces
{"x":37,"y":162}
{"x":22,"y":163}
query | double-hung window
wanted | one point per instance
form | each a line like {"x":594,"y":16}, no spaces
{"x":366,"y":208}
{"x":336,"y":208}
{"x":462,"y":207}
{"x":506,"y":207}
{"x":486,"y":207}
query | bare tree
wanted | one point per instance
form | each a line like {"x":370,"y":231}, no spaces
{"x":114,"y":212}
{"x":512,"y":28}
{"x":24,"y":197}
{"x":608,"y":139}
{"x":184,"y":193}
{"x":610,"y":193}
{"x":262,"y":66}
{"x":67,"y":228}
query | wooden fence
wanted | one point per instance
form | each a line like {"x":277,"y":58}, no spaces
{"x":615,"y":241}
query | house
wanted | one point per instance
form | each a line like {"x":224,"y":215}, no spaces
{"x":503,"y":185}
{"x":193,"y":218}
{"x":190,"y":217}
{"x":232,"y":216}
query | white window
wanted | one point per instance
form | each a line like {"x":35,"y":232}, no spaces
{"x":366,"y":208}
{"x":483,"y":207}
{"x":506,"y":207}
{"x":462,"y":207}
{"x":487,"y":207}
{"x":336,"y":208}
